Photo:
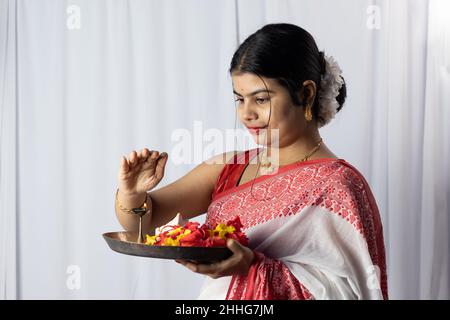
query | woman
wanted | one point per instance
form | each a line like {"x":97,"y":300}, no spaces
{"x":313,"y":224}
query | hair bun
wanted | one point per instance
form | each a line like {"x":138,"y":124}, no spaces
{"x":332,"y":91}
{"x":342,"y":95}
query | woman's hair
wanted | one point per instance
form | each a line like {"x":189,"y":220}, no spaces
{"x":287,"y":53}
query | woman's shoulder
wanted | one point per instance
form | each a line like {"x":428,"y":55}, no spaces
{"x":350,"y":172}
{"x":341,"y":176}
{"x":231,"y":158}
{"x":215,"y":166}
{"x":221,"y":159}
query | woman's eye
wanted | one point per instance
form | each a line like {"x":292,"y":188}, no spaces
{"x":239,"y":100}
{"x":262,"y":100}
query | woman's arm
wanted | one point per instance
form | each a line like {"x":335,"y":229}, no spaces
{"x":190,"y":195}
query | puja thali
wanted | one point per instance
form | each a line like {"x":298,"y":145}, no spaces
{"x":125,"y":242}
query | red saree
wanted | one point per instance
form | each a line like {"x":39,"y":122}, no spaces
{"x":314,"y":227}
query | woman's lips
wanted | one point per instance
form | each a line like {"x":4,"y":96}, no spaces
{"x":256,"y":130}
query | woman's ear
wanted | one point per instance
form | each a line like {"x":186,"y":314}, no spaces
{"x":308,"y":92}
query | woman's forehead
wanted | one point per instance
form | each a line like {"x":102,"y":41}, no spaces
{"x":246,"y":83}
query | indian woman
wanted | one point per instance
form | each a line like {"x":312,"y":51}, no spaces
{"x":312,"y":222}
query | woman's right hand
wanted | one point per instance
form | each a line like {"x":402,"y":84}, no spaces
{"x":141,"y":172}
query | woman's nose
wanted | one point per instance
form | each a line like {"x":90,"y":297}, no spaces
{"x":248,"y":112}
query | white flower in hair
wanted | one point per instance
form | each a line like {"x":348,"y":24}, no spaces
{"x":330,"y":83}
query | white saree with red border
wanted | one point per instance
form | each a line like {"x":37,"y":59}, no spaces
{"x":314,"y":227}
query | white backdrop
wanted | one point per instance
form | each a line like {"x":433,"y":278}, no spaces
{"x":83,"y":83}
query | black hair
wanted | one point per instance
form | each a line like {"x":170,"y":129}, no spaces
{"x":287,"y":53}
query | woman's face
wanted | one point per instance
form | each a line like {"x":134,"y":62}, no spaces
{"x":255,"y":105}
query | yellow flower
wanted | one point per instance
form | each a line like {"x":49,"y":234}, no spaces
{"x":222,"y":230}
{"x":171,"y":242}
{"x":186,"y":232}
{"x":171,"y":232}
{"x":150,"y":240}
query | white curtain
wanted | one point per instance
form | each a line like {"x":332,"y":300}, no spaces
{"x":91,"y":81}
{"x":8,"y":147}
{"x":97,"y":79}
{"x":435,"y":187}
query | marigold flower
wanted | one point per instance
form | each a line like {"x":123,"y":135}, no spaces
{"x":192,"y":234}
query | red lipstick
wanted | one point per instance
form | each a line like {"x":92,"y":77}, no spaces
{"x":256,"y":130}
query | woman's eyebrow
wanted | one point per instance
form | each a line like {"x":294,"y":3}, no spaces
{"x":254,"y":92}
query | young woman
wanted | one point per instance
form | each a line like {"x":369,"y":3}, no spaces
{"x":313,"y":224}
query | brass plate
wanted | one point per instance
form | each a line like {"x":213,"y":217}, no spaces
{"x":125,"y":242}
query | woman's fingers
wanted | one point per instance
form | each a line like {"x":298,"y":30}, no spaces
{"x":142,"y":155}
{"x":133,"y":158}
{"x":136,"y":157}
{"x":161,"y":165}
{"x":211,"y":269}
{"x":145,"y":153}
{"x":154,"y":155}
{"x":151,"y":157}
{"x":124,"y":166}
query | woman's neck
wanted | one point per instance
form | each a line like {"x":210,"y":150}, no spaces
{"x":301,"y":147}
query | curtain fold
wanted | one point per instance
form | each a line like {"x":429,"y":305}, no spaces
{"x":8,"y":160}
{"x":435,"y":197}
{"x":394,"y":125}
{"x":98,"y":79}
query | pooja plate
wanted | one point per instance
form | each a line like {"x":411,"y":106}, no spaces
{"x":125,"y":242}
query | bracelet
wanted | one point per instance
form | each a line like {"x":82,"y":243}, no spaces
{"x":141,"y":210}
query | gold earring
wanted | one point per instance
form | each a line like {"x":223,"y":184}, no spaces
{"x":308,"y":113}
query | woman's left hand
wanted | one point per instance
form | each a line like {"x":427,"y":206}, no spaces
{"x":238,"y":263}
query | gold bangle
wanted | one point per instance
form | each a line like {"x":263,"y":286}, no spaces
{"x":141,"y":210}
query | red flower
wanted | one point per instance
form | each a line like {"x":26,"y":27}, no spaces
{"x":215,"y":242}
{"x":201,"y":235}
{"x":191,"y":225}
{"x":236,"y":222}
{"x":194,"y":238}
{"x":240,"y":237}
